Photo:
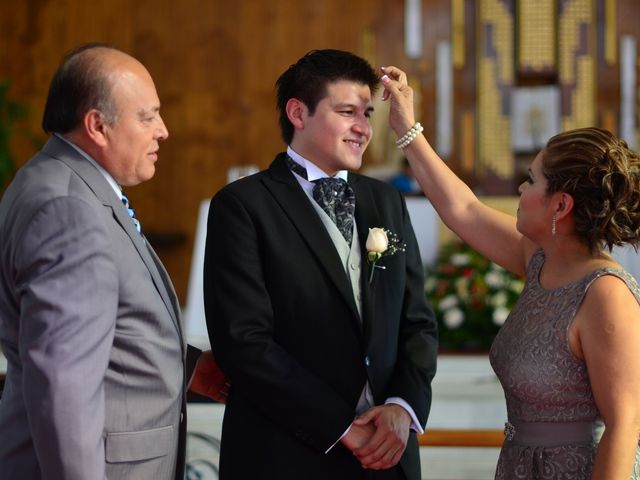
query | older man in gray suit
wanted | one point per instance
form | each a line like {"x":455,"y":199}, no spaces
{"x":89,"y":320}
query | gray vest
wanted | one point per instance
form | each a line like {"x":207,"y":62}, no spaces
{"x":351,"y":258}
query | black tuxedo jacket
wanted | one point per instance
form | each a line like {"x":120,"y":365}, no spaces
{"x":284,"y":326}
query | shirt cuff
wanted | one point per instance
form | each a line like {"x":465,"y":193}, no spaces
{"x":415,"y":424}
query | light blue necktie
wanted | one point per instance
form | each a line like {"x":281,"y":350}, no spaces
{"x":132,"y":213}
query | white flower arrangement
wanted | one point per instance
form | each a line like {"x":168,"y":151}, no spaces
{"x":471,"y":297}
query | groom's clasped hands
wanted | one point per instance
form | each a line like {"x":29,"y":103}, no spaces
{"x":379,"y":436}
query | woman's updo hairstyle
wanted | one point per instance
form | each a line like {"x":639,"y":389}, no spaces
{"x":603,"y":176}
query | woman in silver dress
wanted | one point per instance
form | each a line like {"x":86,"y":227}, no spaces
{"x":568,"y":356}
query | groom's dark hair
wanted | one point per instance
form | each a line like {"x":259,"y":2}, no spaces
{"x":307,"y":80}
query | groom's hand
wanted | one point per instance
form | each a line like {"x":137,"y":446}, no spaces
{"x":386,"y":446}
{"x":358,"y":436}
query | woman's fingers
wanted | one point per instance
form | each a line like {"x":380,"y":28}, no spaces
{"x":396,"y":74}
{"x":400,"y":95}
{"x":394,"y":81}
{"x":386,"y":82}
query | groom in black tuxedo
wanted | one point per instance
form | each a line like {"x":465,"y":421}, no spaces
{"x":330,"y":358}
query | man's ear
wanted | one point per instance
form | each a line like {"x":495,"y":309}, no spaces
{"x":95,"y":127}
{"x":296,"y":112}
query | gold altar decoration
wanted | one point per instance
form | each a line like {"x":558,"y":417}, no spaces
{"x":610,"y":32}
{"x":577,"y":69}
{"x":536,"y":38}
{"x":495,"y":80}
{"x":457,"y":29}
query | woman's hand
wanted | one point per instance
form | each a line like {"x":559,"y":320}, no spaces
{"x":208,"y":379}
{"x":400,"y":95}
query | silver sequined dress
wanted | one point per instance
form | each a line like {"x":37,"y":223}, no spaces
{"x":542,"y":380}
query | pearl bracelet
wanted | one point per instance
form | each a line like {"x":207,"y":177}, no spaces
{"x":410,"y":136}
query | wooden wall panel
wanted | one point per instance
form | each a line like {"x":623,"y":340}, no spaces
{"x":214,"y":63}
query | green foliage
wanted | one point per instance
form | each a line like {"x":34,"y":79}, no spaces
{"x":10,"y":112}
{"x":471,"y":297}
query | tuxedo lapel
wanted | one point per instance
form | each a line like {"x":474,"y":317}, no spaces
{"x":366,"y":217}
{"x":295,"y":203}
{"x":103,"y":191}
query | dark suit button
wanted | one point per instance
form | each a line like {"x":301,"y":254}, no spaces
{"x":367,"y":361}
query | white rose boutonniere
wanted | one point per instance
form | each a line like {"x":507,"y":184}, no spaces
{"x":380,"y":243}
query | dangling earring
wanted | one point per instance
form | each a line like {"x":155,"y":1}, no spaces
{"x":553,"y":225}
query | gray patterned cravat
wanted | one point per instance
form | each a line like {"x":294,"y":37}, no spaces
{"x":335,"y":196}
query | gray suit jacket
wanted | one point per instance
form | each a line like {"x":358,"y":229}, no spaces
{"x":90,"y":326}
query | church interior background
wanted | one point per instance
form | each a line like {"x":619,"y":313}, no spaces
{"x":494,"y":79}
